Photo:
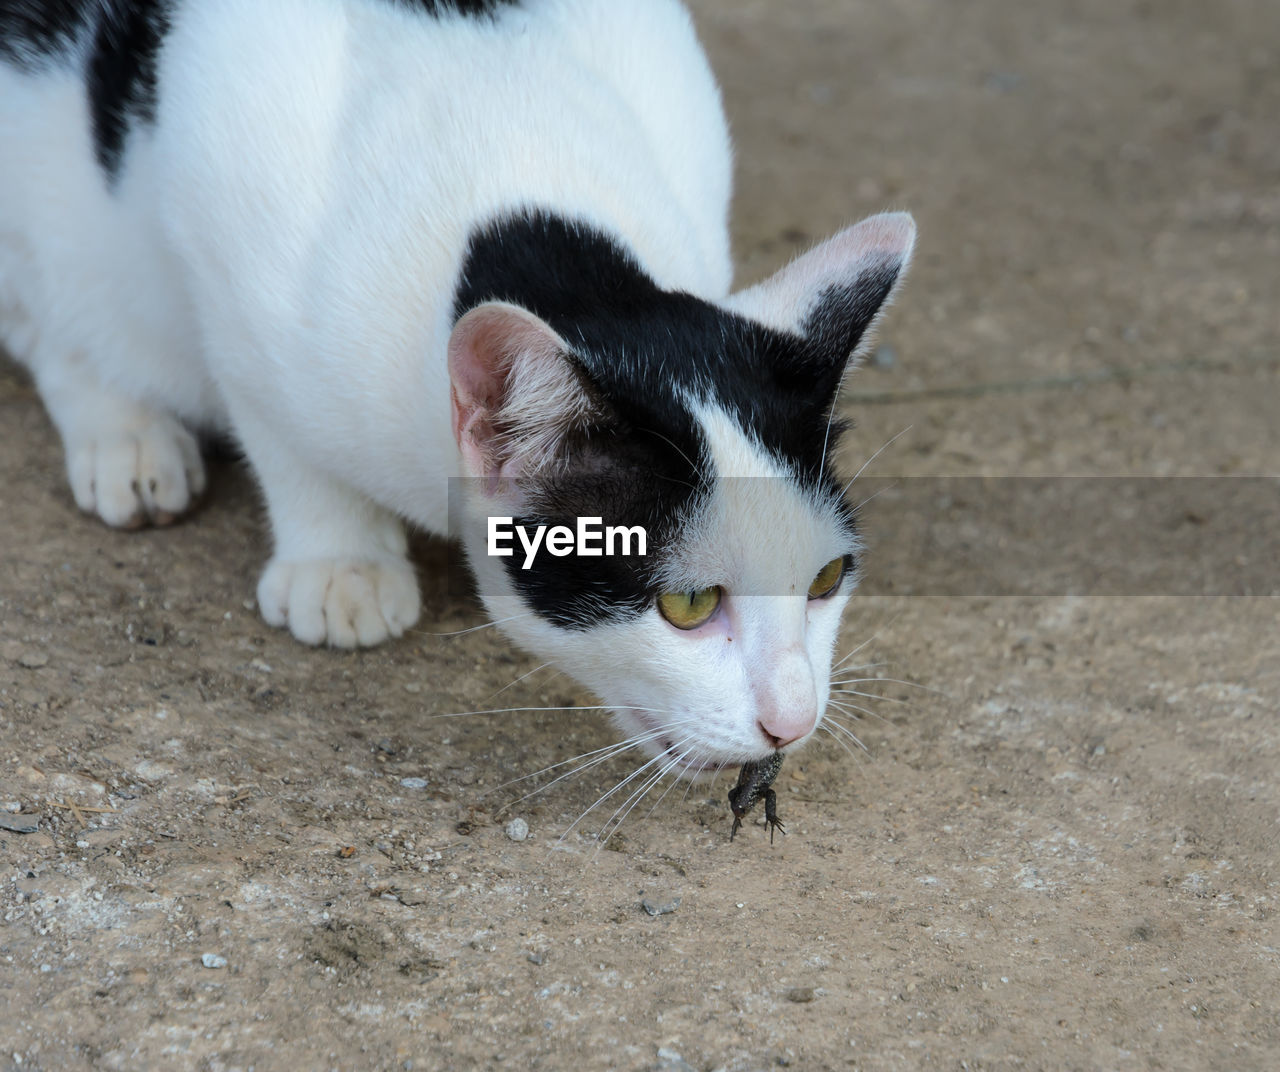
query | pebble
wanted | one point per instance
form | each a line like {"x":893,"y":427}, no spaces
{"x":884,"y":356}
{"x":801,"y":995}
{"x":212,"y":960}
{"x":1003,"y":81}
{"x":516,"y":830}
{"x":33,"y":660}
{"x":671,"y":1061}
{"x":414,"y":783}
{"x":11,"y":806}
{"x":655,"y":909}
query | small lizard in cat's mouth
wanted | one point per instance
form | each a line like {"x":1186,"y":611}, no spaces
{"x":755,"y":780}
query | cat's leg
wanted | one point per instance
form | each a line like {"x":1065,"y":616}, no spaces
{"x":126,"y":462}
{"x":340,"y":572}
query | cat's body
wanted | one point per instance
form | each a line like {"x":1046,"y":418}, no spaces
{"x":387,"y":243}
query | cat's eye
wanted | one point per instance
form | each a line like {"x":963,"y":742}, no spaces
{"x":828,"y":579}
{"x":688,"y":610}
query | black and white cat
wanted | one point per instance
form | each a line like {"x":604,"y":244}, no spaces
{"x":390,"y":243}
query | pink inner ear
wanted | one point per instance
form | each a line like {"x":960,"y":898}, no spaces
{"x":891,"y":234}
{"x":476,"y":377}
{"x":485,"y":348}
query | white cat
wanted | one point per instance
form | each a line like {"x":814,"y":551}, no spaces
{"x":387,"y":244}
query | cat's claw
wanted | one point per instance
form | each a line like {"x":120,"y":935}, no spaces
{"x":147,"y":471}
{"x":344,"y":603}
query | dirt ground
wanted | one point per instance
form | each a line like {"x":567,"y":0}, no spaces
{"x":1062,"y":853}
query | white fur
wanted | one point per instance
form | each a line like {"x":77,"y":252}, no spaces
{"x":277,"y":259}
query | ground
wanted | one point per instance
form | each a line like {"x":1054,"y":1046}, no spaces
{"x":1060,"y":852}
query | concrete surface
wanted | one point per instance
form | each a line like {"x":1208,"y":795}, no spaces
{"x":1060,"y":852}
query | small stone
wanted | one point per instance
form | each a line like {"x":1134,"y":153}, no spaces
{"x":801,"y":995}
{"x":884,"y":356}
{"x":33,"y":660}
{"x":414,"y":783}
{"x":212,"y":960}
{"x":11,"y":806}
{"x":516,"y":830}
{"x":656,"y":909}
{"x":536,"y":958}
{"x":671,"y":1061}
{"x":1003,"y":81}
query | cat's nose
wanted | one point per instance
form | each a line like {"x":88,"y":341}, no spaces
{"x":781,"y":728}
{"x":786,"y":707}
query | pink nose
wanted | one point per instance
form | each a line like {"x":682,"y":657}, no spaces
{"x":783,"y":727}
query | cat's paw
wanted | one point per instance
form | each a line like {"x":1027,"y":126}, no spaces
{"x":345,"y":603}
{"x":134,"y":472}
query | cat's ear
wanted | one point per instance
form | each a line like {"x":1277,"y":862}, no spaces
{"x":516,"y":393}
{"x":833,"y":294}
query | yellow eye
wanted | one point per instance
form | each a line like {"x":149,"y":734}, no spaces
{"x":688,"y":610}
{"x":828,"y":579}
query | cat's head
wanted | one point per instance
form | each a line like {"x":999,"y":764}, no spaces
{"x":710,"y":427}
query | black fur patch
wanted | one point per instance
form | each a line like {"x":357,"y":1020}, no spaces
{"x":32,"y":31}
{"x":437,"y":8}
{"x":642,"y":351}
{"x":842,"y":314}
{"x":123,"y":39}
{"x":122,"y":74}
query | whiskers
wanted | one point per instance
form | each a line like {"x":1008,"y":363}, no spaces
{"x":853,"y":687}
{"x":865,"y":465}
{"x":646,"y":777}
{"x":473,"y":629}
{"x":674,"y":738}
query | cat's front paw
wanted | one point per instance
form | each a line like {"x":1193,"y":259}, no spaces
{"x":135,"y":471}
{"x":345,"y":603}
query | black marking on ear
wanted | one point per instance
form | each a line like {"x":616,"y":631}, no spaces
{"x":122,"y":75}
{"x":35,"y":31}
{"x":645,"y":353}
{"x":473,"y":8}
{"x":842,"y":314}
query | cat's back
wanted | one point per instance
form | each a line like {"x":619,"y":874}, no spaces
{"x":454,"y":111}
{"x":258,"y":151}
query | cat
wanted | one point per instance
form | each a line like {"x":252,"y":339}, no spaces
{"x":392,"y":246}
